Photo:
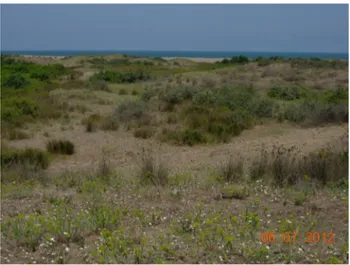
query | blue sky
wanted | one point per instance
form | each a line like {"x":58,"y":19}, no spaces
{"x":295,"y":28}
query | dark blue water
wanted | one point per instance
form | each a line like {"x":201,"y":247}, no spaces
{"x":192,"y":54}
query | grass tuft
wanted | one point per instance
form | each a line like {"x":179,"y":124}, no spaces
{"x":60,"y":147}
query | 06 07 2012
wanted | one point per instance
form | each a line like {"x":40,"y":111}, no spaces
{"x":291,"y":237}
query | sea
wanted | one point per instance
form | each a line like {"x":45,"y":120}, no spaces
{"x":190,"y":54}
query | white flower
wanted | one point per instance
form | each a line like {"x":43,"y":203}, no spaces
{"x":267,"y":247}
{"x":65,"y":233}
{"x":267,"y":256}
{"x":52,"y":239}
{"x":67,"y":249}
{"x":289,"y":222}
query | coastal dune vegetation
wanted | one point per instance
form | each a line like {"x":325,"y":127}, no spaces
{"x":127,"y":159}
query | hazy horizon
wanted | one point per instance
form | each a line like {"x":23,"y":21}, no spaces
{"x":289,"y":28}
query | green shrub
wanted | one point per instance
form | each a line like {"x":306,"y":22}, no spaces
{"x":337,"y":96}
{"x":41,"y":76}
{"x":231,"y":122}
{"x":60,"y":147}
{"x":286,"y":93}
{"x":236,"y":97}
{"x":187,"y":137}
{"x":241,"y":59}
{"x":318,"y":63}
{"x":222,"y":123}
{"x":15,"y":81}
{"x":37,"y":158}
{"x":263,"y":107}
{"x":132,"y":110}
{"x":98,"y":85}
{"x":19,"y":108}
{"x":147,"y":94}
{"x":315,"y":113}
{"x":204,"y":97}
{"x":177,"y":95}
{"x":234,"y":192}
{"x":123,"y":91}
{"x":121,"y":77}
{"x":323,"y":114}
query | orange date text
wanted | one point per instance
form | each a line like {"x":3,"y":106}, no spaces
{"x":291,"y":237}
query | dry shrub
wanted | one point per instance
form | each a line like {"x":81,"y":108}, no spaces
{"x":144,"y":132}
{"x":232,"y":170}
{"x":152,"y":171}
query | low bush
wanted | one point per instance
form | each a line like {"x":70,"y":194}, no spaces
{"x":144,"y":132}
{"x":204,"y":97}
{"x":315,"y":113}
{"x":110,"y":123}
{"x":336,"y":96}
{"x":15,"y":81}
{"x":241,"y":59}
{"x":131,"y":111}
{"x":147,"y":94}
{"x":60,"y":147}
{"x":121,"y":77}
{"x":36,"y":158}
{"x":98,"y":85}
{"x":286,"y":92}
{"x":17,"y":109}
{"x":92,"y":122}
{"x":123,"y":91}
{"x":177,"y":95}
{"x":234,"y":192}
{"x":186,"y":137}
{"x":172,"y":118}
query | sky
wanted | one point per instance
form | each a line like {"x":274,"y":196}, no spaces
{"x":274,"y":28}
